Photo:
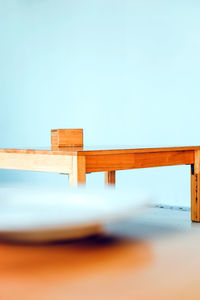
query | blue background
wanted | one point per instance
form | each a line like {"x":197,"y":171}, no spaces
{"x":126,"y":71}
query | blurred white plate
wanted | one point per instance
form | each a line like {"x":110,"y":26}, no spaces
{"x":27,"y":215}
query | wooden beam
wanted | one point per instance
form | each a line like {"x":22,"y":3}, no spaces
{"x":36,"y":162}
{"x":100,"y":163}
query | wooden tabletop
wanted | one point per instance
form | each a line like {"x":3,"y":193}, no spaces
{"x":109,"y":267}
{"x":95,"y":150}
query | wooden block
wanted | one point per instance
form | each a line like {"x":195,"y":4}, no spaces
{"x":66,"y":138}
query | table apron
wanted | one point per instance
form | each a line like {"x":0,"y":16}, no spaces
{"x":102,"y":162}
{"x":36,"y":162}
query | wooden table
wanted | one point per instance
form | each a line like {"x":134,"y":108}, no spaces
{"x":67,"y":155}
{"x":104,"y":268}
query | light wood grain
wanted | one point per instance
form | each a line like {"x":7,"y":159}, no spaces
{"x":58,"y":151}
{"x":78,"y":172}
{"x":66,"y":137}
{"x":110,"y":178}
{"x":36,"y":162}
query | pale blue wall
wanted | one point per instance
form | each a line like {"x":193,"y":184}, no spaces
{"x":126,"y":71}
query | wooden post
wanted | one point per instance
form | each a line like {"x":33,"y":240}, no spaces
{"x":195,"y":187}
{"x":78,"y":173}
{"x":110,"y":178}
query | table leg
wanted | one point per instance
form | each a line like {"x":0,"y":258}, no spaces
{"x":195,"y":188}
{"x":78,"y":174}
{"x":110,"y":177}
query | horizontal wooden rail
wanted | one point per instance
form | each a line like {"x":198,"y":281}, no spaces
{"x":36,"y":162}
{"x":100,"y":163}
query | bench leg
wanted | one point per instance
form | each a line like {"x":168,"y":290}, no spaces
{"x":78,"y":173}
{"x":110,"y":178}
{"x":195,"y":188}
